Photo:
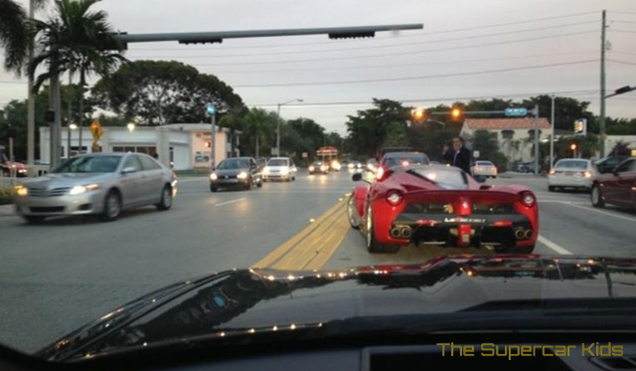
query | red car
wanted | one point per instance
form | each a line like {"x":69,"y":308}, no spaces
{"x":443,"y":206}
{"x":616,"y":187}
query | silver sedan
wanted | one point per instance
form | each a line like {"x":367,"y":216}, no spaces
{"x":101,"y":183}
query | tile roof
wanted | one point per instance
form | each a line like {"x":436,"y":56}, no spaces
{"x":505,"y":123}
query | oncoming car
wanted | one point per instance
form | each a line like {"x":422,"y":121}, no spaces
{"x":99,"y":183}
{"x":442,"y":206}
{"x":318,"y":167}
{"x":403,"y":159}
{"x":280,"y":168}
{"x":236,"y":172}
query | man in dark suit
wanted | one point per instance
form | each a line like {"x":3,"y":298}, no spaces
{"x":462,"y":155}
{"x":447,"y":155}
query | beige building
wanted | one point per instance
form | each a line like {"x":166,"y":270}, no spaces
{"x":515,"y":135}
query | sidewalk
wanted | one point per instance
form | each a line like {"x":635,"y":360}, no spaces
{"x":7,"y":210}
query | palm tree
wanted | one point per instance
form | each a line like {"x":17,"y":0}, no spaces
{"x":76,"y":40}
{"x":15,"y":33}
{"x":234,"y":120}
{"x":259,"y":124}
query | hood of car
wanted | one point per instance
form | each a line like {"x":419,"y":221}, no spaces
{"x":55,"y":180}
{"x":250,"y":299}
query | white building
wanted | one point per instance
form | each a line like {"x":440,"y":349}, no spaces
{"x":180,"y":146}
{"x":612,"y":140}
{"x":515,"y":135}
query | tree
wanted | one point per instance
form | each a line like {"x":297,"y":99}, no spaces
{"x":369,"y":129}
{"x":566,"y":111}
{"x":488,"y":146}
{"x":161,"y":92}
{"x":259,"y":128}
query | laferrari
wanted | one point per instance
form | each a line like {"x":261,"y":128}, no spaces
{"x":442,"y":206}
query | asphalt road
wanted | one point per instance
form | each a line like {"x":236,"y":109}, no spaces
{"x":60,"y":275}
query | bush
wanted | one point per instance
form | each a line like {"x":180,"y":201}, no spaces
{"x":6,"y":195}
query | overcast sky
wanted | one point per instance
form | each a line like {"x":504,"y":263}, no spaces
{"x":450,"y":58}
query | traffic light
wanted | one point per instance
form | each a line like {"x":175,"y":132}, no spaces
{"x":573,"y":147}
{"x":624,"y":89}
{"x":208,"y":144}
{"x":456,"y":114}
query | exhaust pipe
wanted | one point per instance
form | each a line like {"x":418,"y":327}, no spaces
{"x":529,"y":234}
{"x":395,"y":232}
{"x":406,"y":232}
{"x":519,"y":234}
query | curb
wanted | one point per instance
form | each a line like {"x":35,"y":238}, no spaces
{"x":7,"y":210}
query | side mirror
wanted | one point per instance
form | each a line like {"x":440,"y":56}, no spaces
{"x":128,"y":169}
{"x":356,"y":177}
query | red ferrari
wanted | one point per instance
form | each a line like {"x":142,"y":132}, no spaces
{"x":443,"y":206}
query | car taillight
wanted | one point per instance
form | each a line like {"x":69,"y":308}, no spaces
{"x":552,"y":172}
{"x":394,"y":198}
{"x":527,"y":199}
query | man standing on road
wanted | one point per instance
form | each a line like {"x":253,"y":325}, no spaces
{"x":462,"y":155}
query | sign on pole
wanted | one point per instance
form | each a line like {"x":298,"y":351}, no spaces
{"x":305,"y":154}
{"x":476,"y":154}
{"x":516,"y":112}
{"x":580,"y":127}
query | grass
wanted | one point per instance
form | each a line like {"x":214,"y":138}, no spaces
{"x":6,"y":195}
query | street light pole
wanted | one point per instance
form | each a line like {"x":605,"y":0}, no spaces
{"x":31,"y":103}
{"x":602,"y":118}
{"x":278,"y":124}
{"x":552,"y":135}
{"x":536,"y":139}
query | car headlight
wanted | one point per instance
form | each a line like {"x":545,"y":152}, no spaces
{"x":21,"y":190}
{"x":242,"y":175}
{"x":266,"y":170}
{"x":82,"y":189}
{"x":311,"y":168}
{"x":285,"y":171}
{"x":350,"y":166}
{"x":213,"y":176}
{"x":323,"y":168}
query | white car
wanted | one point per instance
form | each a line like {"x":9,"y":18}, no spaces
{"x":485,"y":168}
{"x":280,"y":168}
{"x":571,"y":173}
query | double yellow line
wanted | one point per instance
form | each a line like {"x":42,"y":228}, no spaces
{"x":312,"y":247}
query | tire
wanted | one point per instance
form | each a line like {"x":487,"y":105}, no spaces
{"x":351,"y":212}
{"x":33,"y":219}
{"x":260,"y":183}
{"x":597,"y":196}
{"x":372,"y":244}
{"x":166,"y":199}
{"x":112,"y":207}
{"x":213,"y":188}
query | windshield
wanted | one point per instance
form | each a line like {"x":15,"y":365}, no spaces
{"x":278,"y":162}
{"x":164,"y":141}
{"x":90,"y":164}
{"x":572,"y":164}
{"x":234,"y":164}
{"x":413,"y":159}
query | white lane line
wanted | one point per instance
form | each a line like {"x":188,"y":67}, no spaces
{"x":602,"y":212}
{"x":553,"y":246}
{"x":230,"y":202}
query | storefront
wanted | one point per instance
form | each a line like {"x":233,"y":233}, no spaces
{"x":181,"y":146}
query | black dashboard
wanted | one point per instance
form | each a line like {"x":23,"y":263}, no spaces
{"x":607,"y":353}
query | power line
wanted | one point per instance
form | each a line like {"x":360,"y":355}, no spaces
{"x":410,"y":78}
{"x":402,"y":36}
{"x":384,"y":66}
{"x":622,"y":62}
{"x":413,"y":100}
{"x":622,"y":12}
{"x":630,"y":22}
{"x":398,"y":54}
{"x":377,"y":47}
{"x":12,"y":82}
{"x":624,"y":31}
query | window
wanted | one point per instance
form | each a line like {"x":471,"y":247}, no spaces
{"x":572,"y":164}
{"x":234,"y":163}
{"x":132,"y":161}
{"x":507,"y":134}
{"x":278,"y":162}
{"x":148,"y":163}
{"x":628,"y":165}
{"x":89,"y":164}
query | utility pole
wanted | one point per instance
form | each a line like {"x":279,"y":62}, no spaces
{"x":278,"y":132}
{"x":536,"y":139}
{"x":31,"y":104}
{"x":212,"y":112}
{"x":552,"y":135}
{"x":602,"y":118}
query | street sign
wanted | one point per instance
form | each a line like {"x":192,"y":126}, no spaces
{"x":211,"y":109}
{"x":476,"y":154}
{"x":580,"y":127}
{"x":305,"y":154}
{"x":516,"y":112}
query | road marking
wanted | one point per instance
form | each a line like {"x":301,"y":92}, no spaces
{"x":230,"y":202}
{"x":553,"y":246}
{"x":601,"y":212}
{"x":303,"y":240}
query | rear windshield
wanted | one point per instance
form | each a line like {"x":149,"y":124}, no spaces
{"x":410,"y":159}
{"x":571,"y":164}
{"x":278,"y":162}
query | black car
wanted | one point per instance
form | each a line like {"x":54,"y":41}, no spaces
{"x":236,"y":172}
{"x":607,"y":164}
{"x":318,"y":167}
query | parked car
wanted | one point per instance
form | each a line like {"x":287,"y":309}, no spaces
{"x":280,"y":168}
{"x":616,"y":187}
{"x":98,"y":183}
{"x":527,"y":167}
{"x":607,"y":164}
{"x":571,"y":173}
{"x":236,"y":172}
{"x":438,"y":205}
{"x":485,"y":168}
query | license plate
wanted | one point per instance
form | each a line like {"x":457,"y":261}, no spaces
{"x":569,"y":173}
